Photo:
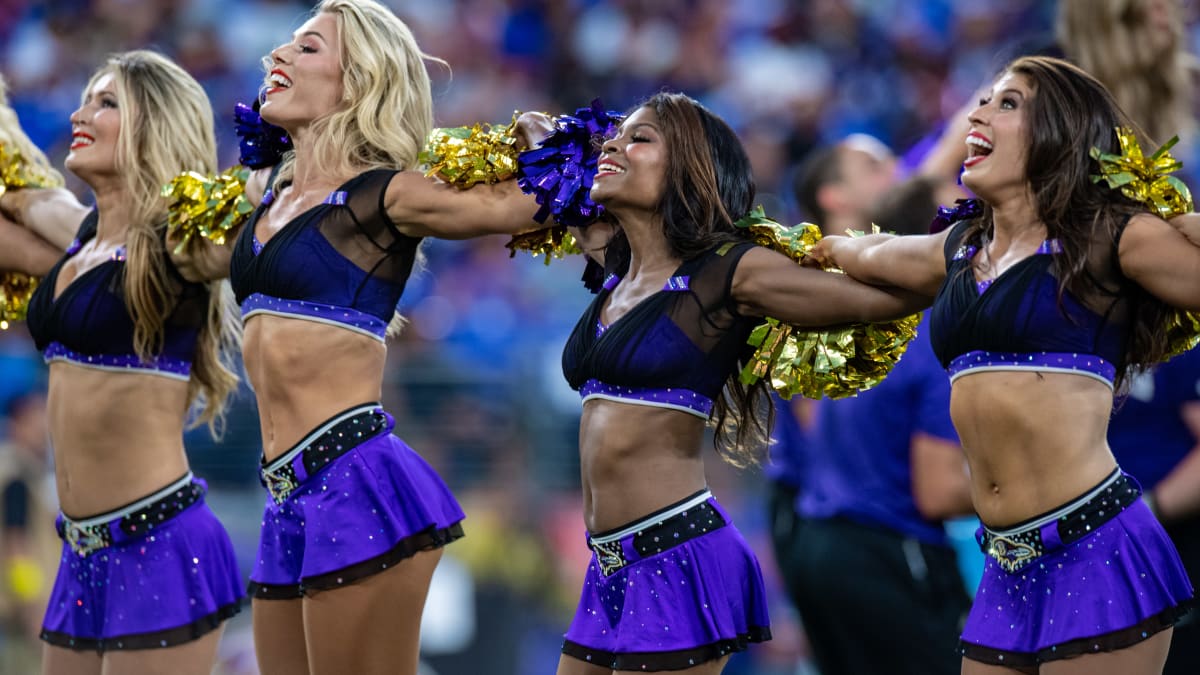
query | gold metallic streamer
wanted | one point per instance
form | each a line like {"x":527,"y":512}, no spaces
{"x":464,"y":156}
{"x":1146,"y":180}
{"x":552,"y":242}
{"x":207,"y":206}
{"x":16,"y":288}
{"x":15,"y":291}
{"x":833,"y":363}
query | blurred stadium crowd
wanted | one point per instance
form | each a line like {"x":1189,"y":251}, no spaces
{"x":474,"y":381}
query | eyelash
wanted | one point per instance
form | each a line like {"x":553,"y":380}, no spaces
{"x":1006,"y":101}
{"x":305,"y":49}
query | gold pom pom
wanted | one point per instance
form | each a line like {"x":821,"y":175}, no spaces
{"x":464,"y":156}
{"x":832,"y":363}
{"x":1146,"y":180}
{"x":16,"y":172}
{"x":552,"y":242}
{"x":15,"y":291}
{"x":208,"y":206}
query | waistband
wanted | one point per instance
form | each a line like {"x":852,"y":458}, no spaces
{"x":1020,"y":545}
{"x":334,"y":315}
{"x":332,"y":439}
{"x":134,"y":521}
{"x":674,"y":398}
{"x":162,"y":366}
{"x":1088,"y":365}
{"x":662,"y":530}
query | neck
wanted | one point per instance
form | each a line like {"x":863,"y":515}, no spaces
{"x":307,"y":174}
{"x":1015,"y":220}
{"x":649,"y":251}
{"x":114,"y":208}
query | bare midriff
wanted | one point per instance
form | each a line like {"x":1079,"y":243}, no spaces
{"x":304,"y":373}
{"x":635,"y":460}
{"x":117,"y":436}
{"x":1033,"y":440}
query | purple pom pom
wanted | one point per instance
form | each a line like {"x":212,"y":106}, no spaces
{"x":560,"y":172}
{"x":963,"y":209}
{"x":262,"y":143}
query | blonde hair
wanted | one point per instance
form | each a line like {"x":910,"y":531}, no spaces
{"x":387,"y":107}
{"x":166,"y":129}
{"x":1114,"y":42}
{"x":13,"y":136}
{"x":387,"y":104}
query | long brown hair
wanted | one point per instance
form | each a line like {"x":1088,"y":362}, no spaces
{"x":167,"y":129}
{"x":1070,"y":113}
{"x":709,"y":185}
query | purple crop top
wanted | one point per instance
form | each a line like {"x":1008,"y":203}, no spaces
{"x":675,"y":349}
{"x":341,"y":262}
{"x":89,"y":325}
{"x":1016,"y":321}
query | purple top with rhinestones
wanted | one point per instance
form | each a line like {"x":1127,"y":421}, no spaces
{"x":314,"y":268}
{"x":674,"y":349}
{"x":1016,"y":320}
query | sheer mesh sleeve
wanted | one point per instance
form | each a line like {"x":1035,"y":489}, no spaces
{"x":363,"y":234}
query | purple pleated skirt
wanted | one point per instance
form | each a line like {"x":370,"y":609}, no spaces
{"x":652,"y":604}
{"x":158,"y":577}
{"x":350,"y":511}
{"x":1119,"y":584}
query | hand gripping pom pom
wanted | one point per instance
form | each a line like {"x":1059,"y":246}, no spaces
{"x":208,"y":206}
{"x":1146,"y":180}
{"x":831,"y":363}
{"x":15,"y":288}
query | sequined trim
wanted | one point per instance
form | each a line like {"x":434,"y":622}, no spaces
{"x":337,"y":436}
{"x":674,"y":660}
{"x":1018,"y":546}
{"x":333,"y":315}
{"x":162,"y":366}
{"x":1109,"y":642}
{"x":660,"y":531}
{"x":156,"y":640}
{"x":1087,"y":365}
{"x":674,"y":398}
{"x":405,"y":548}
{"x":967,"y":252}
{"x":88,"y":535}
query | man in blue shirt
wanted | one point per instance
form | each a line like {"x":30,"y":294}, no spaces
{"x":1155,"y":436}
{"x":863,"y":550}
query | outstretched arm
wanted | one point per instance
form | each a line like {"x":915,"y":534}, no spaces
{"x":53,"y":214}
{"x":767,"y":283}
{"x":913,"y":262}
{"x":421,"y":207}
{"x":1160,"y":258}
{"x":23,"y":251}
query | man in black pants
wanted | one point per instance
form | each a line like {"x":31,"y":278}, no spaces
{"x":861,"y":546}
